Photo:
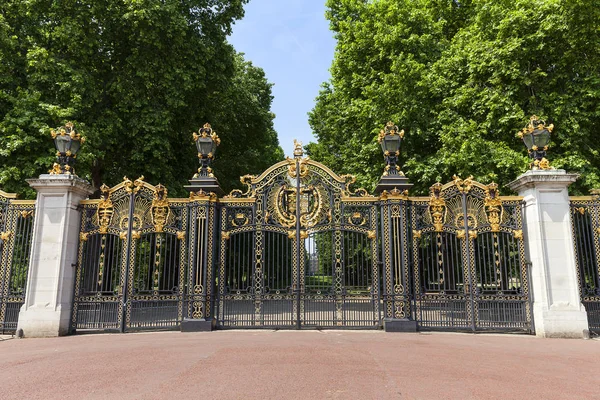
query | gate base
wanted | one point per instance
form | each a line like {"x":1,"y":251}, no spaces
{"x":399,"y":325}
{"x":197,"y":325}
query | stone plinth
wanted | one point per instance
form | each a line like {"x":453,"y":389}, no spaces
{"x":49,"y":294}
{"x":557,"y":308}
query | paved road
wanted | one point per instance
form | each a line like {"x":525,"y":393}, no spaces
{"x":299,"y":365}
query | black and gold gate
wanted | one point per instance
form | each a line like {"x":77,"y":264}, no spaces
{"x":144,"y":259}
{"x":469,"y":268}
{"x":16,"y":231}
{"x":298,"y":249}
{"x":585,"y":219}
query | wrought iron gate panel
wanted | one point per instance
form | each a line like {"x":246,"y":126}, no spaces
{"x":585,"y":224}
{"x":298,"y":249}
{"x":395,"y":254}
{"x":16,"y":229}
{"x":469,"y":266}
{"x":144,"y":260}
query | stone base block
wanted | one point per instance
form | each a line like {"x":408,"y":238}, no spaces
{"x":206,"y":184}
{"x":561,"y":323}
{"x":391,"y":182}
{"x":197,"y":325}
{"x":399,"y":325}
{"x":39,"y":321}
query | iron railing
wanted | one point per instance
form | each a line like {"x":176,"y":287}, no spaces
{"x":145,"y":261}
{"x":585,"y":218}
{"x":16,"y":231}
{"x":468,"y":256}
{"x":300,"y":249}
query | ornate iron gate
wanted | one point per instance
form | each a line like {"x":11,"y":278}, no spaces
{"x":298,"y":248}
{"x":144,"y":259}
{"x":16,"y":227}
{"x":469,"y":265}
{"x":585,"y":213}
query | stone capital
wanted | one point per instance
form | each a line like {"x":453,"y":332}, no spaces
{"x":61,"y":183}
{"x":542,"y":178}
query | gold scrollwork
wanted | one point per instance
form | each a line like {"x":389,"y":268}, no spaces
{"x":473,"y":234}
{"x":417,"y":234}
{"x":518,"y":234}
{"x":123,"y":235}
{"x":133,"y":187}
{"x":225,"y":235}
{"x":437,"y":207}
{"x":349,"y":180}
{"x":180,"y":235}
{"x":460,"y":234}
{"x":394,"y":194}
{"x":56,"y":170}
{"x":303,"y":164}
{"x":5,"y":235}
{"x":463,"y":185}
{"x":371,"y":234}
{"x":83,"y":236}
{"x":283,"y":204}
{"x":136,"y":235}
{"x":159,"y":209}
{"x":542,"y":164}
{"x":357,"y":219}
{"x":303,"y":235}
{"x":246,"y":180}
{"x":390,"y":129}
{"x":202,"y":195}
{"x":239,"y":219}
{"x":493,"y":206}
{"x":26,"y":213}
{"x":105,"y":210}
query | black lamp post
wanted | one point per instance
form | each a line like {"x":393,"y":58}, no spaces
{"x":390,"y":139}
{"x":536,"y":136}
{"x":206,"y":144}
{"x":67,"y":142}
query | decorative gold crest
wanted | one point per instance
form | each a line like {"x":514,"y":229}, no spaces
{"x":160,"y":210}
{"x":105,"y":209}
{"x":437,"y":207}
{"x":493,"y":206}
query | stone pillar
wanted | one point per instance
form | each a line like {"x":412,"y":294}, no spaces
{"x":49,"y":294}
{"x":557,"y":309}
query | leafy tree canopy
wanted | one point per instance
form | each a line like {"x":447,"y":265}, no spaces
{"x":461,"y":78}
{"x":136,"y":77}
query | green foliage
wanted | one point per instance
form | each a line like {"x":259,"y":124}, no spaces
{"x":461,"y":78}
{"x":137,"y":77}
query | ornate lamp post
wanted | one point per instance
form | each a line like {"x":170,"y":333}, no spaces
{"x":67,"y":142}
{"x":393,"y":178}
{"x":536,"y":136}
{"x":206,"y":144}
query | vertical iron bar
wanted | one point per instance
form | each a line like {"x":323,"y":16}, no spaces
{"x":468,"y":260}
{"x":298,"y":242}
{"x":127,"y":262}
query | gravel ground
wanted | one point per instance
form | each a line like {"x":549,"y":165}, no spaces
{"x":298,"y":365}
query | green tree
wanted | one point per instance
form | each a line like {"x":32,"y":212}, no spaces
{"x":137,"y":78}
{"x":461,"y":77}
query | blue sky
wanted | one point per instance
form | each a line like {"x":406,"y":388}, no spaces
{"x":291,"y":41}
